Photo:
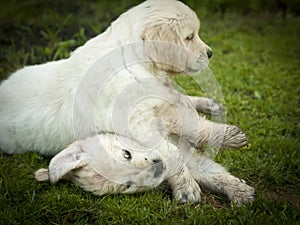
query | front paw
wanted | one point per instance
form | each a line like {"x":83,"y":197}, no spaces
{"x":214,"y":108}
{"x":234,"y":137}
{"x":241,"y":193}
{"x":207,"y":106}
{"x":187,"y":193}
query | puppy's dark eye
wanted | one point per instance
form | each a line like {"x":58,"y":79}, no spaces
{"x":127,"y":154}
{"x":190,"y":37}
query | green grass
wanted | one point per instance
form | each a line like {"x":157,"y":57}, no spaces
{"x":256,"y":62}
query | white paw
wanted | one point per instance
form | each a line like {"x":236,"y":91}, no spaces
{"x":41,"y":175}
{"x":214,"y":108}
{"x":241,"y":193}
{"x":234,"y":137}
{"x":208,"y":106}
{"x":190,"y":192}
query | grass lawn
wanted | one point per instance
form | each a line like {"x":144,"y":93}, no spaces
{"x":256,"y":63}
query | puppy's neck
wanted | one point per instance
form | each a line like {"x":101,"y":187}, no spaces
{"x":164,"y":76}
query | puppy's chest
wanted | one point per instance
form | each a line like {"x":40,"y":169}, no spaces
{"x":129,"y":100}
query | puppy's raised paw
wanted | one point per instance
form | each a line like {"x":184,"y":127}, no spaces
{"x":214,"y":108}
{"x":206,"y":105}
{"x":234,"y":137}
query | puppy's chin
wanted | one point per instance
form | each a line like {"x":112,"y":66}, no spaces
{"x":170,"y":69}
{"x":197,"y":66}
{"x":189,"y":69}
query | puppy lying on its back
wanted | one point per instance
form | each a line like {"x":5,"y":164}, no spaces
{"x":108,"y":164}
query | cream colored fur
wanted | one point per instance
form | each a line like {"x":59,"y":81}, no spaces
{"x":100,"y":164}
{"x":45,"y":107}
{"x":118,"y":82}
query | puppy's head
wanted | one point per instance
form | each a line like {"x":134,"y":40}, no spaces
{"x":171,"y":38}
{"x":103,"y":165}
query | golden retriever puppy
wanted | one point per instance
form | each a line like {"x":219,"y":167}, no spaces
{"x":45,"y":107}
{"x":119,"y":82}
{"x":103,"y":165}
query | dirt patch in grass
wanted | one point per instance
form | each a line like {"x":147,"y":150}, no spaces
{"x":217,"y":202}
{"x":286,"y":195}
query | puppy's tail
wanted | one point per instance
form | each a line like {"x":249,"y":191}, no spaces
{"x":42,"y":175}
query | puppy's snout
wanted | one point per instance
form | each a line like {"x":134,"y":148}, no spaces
{"x":209,"y":53}
{"x":158,"y":167}
{"x":156,"y":161}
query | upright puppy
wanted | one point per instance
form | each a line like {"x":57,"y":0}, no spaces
{"x":45,"y":107}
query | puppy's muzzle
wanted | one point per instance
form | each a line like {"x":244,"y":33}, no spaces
{"x":158,"y":168}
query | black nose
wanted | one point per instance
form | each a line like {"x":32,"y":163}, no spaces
{"x":158,"y":168}
{"x":209,"y":53}
{"x":156,"y":160}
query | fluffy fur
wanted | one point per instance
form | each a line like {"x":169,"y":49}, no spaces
{"x":45,"y":107}
{"x":118,"y":82}
{"x":103,"y":165}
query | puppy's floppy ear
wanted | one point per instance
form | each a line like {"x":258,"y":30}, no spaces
{"x":166,"y":32}
{"x":68,"y":159}
{"x":164,"y":45}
